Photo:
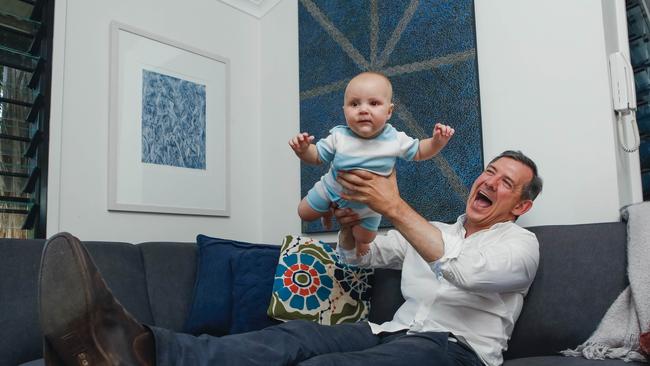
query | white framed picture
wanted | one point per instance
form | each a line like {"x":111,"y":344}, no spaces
{"x":169,"y":126}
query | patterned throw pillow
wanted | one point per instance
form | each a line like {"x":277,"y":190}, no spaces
{"x":310,"y":283}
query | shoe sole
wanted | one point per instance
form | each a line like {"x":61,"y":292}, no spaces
{"x":67,"y":324}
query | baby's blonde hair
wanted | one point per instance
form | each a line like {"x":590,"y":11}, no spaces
{"x":376,"y":73}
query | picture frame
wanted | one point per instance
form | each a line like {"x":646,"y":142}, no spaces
{"x":168,"y":126}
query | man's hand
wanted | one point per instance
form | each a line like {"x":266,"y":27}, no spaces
{"x":344,"y":216}
{"x":381,"y":195}
{"x":347,"y":218}
{"x":300,"y":143}
{"x":377,"y":192}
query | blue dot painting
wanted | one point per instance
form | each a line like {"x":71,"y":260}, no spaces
{"x":427,"y":49}
{"x":173,"y":121}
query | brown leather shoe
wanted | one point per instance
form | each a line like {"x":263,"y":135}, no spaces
{"x":82,"y":323}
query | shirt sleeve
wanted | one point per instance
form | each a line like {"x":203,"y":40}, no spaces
{"x":386,"y":251}
{"x":326,"y":147}
{"x":408,"y":146}
{"x":506,"y":265}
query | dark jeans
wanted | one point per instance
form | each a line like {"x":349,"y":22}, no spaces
{"x":306,"y":343}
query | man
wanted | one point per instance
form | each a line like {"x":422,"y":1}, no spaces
{"x":463,"y":286}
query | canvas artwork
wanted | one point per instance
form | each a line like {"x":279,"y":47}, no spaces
{"x":428,"y":51}
{"x":173,"y":121}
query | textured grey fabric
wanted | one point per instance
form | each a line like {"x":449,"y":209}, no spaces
{"x":386,"y":295}
{"x":617,"y":335}
{"x":566,"y":361}
{"x":38,"y":362}
{"x":122,"y":267}
{"x":170,"y":270}
{"x":553,"y":317}
{"x":20,"y":335}
{"x":19,"y":327}
{"x":581,"y":272}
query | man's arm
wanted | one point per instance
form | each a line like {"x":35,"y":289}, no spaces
{"x":506,"y":265}
{"x":382,"y":195}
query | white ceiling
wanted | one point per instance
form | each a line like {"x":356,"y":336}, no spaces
{"x":255,"y":8}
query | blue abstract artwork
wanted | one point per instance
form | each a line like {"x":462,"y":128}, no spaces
{"x":427,"y":48}
{"x":173,"y":121}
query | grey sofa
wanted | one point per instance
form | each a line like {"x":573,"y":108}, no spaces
{"x":582,"y":270}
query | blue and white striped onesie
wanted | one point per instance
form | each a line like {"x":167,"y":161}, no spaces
{"x":344,"y":150}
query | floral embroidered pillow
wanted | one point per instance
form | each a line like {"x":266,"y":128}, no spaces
{"x":311,"y":283}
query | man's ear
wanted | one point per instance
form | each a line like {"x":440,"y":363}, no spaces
{"x":522,"y":207}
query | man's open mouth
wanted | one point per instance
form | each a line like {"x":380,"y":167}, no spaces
{"x":482,"y":200}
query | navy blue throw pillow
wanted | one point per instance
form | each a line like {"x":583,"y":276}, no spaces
{"x":253,"y":273}
{"x":212,"y":306}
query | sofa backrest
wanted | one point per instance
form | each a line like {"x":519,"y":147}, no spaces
{"x":386,"y":295}
{"x":583,"y":269}
{"x":170,"y":273}
{"x":20,"y":335}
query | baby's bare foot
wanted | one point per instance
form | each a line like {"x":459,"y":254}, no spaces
{"x":362,"y":249}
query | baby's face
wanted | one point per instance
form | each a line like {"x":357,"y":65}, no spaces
{"x":367,"y":104}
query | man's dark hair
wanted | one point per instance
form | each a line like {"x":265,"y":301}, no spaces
{"x":534,"y":187}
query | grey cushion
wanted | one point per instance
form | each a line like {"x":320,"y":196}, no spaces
{"x":170,"y":270}
{"x":120,"y":264}
{"x":122,"y":267}
{"x":38,"y":362}
{"x":386,"y":295}
{"x":528,"y":361}
{"x":592,"y":260}
{"x":566,"y":361}
{"x":19,"y":327}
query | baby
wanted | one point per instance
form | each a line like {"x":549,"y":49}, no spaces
{"x":368,"y":143}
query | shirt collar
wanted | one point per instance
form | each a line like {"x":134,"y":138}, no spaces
{"x":460,"y":225}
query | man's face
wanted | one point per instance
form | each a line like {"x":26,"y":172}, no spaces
{"x":367,"y":104}
{"x":496,"y":194}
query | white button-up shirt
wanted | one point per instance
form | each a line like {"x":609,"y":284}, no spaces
{"x":476,"y":290}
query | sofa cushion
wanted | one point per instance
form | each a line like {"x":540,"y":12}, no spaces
{"x":211,"y":307}
{"x":386,"y":295}
{"x":20,"y":335}
{"x":122,"y":267}
{"x":170,"y":270}
{"x":566,"y":361}
{"x":38,"y":362}
{"x":19,"y":326}
{"x":579,"y":264}
{"x":252,"y":284}
{"x":312,"y":284}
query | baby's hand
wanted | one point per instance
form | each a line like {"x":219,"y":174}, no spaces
{"x":301,"y":142}
{"x":442,"y":134}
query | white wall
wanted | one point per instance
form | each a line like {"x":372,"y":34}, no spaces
{"x":543,"y":83}
{"x":279,"y":112}
{"x":545,"y":90}
{"x":616,"y":40}
{"x":78,"y":180}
